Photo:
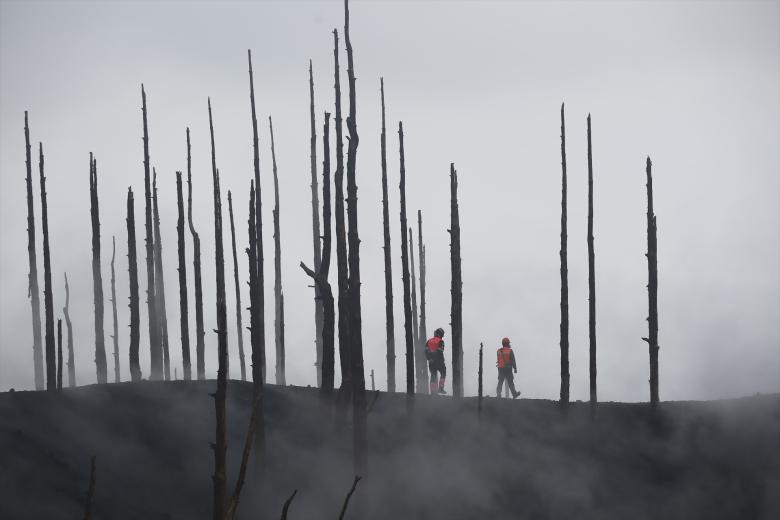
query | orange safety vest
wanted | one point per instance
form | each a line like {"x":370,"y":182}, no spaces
{"x":504,"y":357}
{"x":434,"y":344}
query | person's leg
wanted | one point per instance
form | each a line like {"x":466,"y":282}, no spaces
{"x":433,"y":384}
{"x":510,"y":381}
{"x":443,"y":372}
{"x":500,"y":382}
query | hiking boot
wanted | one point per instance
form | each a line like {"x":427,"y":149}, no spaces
{"x":442,"y":391}
{"x":515,"y":395}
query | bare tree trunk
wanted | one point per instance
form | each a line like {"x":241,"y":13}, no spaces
{"x":200,"y":333}
{"x":389,"y":320}
{"x":135,"y":313}
{"x":320,"y":277}
{"x":479,"y":384}
{"x":239,"y":327}
{"x":90,"y":491}
{"x":373,"y":382}
{"x":287,"y":503}
{"x":159,"y":280}
{"x":260,"y":303}
{"x":51,"y":367}
{"x":33,"y":277}
{"x":315,"y":230}
{"x":71,"y":361}
{"x":355,"y":326}
{"x":59,"y":354}
{"x":155,"y":345}
{"x":564,"y":276}
{"x":250,"y":435}
{"x":183,"y":303}
{"x":405,"y":276}
{"x":97,"y":277}
{"x":349,"y":495}
{"x":419,"y":355}
{"x":591,"y":278}
{"x":220,"y":446}
{"x":652,"y":287}
{"x":456,"y":288}
{"x":113,"y":306}
{"x":422,"y":334}
{"x":281,"y":378}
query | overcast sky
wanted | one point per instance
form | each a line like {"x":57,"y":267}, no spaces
{"x":695,"y":85}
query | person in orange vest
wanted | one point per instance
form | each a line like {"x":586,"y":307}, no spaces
{"x":506,"y":365}
{"x":434,"y":353}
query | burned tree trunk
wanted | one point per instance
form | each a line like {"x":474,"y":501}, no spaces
{"x":200,"y":333}
{"x":456,"y":288}
{"x":220,"y":445}
{"x":405,"y":274}
{"x":423,"y":335}
{"x":591,"y":278}
{"x":71,"y":361}
{"x":115,"y":336}
{"x":421,"y":374}
{"x":33,"y":276}
{"x":159,"y":281}
{"x":97,"y":277}
{"x":51,"y":367}
{"x":59,"y":354}
{"x":479,"y":383}
{"x":355,"y":321}
{"x":564,"y":276}
{"x":183,"y":303}
{"x":155,"y":346}
{"x":90,"y":491}
{"x":239,"y":327}
{"x":315,"y":230}
{"x":320,"y":277}
{"x":389,"y":319}
{"x":260,"y":303}
{"x":281,"y":378}
{"x":652,"y":288}
{"x":135,"y":313}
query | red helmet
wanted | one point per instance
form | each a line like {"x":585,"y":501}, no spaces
{"x":505,"y":342}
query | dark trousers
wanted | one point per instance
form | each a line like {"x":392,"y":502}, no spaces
{"x":437,"y":368}
{"x":505,"y":374}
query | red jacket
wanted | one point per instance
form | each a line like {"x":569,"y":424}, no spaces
{"x":506,"y":358}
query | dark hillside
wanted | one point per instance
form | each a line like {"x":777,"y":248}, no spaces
{"x":718,"y":459}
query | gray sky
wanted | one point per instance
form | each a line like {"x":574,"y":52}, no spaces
{"x":695,"y":85}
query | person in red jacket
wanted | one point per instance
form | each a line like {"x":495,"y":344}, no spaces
{"x":506,"y":365}
{"x":434,"y":353}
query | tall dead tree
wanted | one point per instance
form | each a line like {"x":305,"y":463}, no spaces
{"x":220,"y":445}
{"x":183,"y":300}
{"x":389,"y":320}
{"x":159,"y":281}
{"x":341,"y":239}
{"x":652,"y":287}
{"x":479,"y":383}
{"x":32,"y":287}
{"x":315,"y":230}
{"x":59,"y":354}
{"x":360,"y":442}
{"x":239,"y":327}
{"x":564,"y":275}
{"x":320,"y":277}
{"x":421,"y":374}
{"x":410,"y":386}
{"x":155,"y":345}
{"x":135,"y":311}
{"x":115,"y":336}
{"x":591,"y":278}
{"x":281,"y":378}
{"x":66,"y":313}
{"x":97,"y":278}
{"x":51,"y":367}
{"x":260,"y":303}
{"x":456,"y":288}
{"x":200,"y":333}
{"x":423,"y":335}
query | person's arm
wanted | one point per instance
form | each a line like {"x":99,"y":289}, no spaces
{"x":514,"y":365}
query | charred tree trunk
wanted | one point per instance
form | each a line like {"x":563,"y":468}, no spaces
{"x":155,"y":345}
{"x":422,"y":335}
{"x":591,"y":278}
{"x":97,"y":277}
{"x":220,"y":446}
{"x":239,"y":327}
{"x":355,"y":320}
{"x":260,"y":302}
{"x":421,"y":374}
{"x":315,"y":230}
{"x":135,"y":312}
{"x":320,"y":277}
{"x":341,"y":242}
{"x":479,"y":383}
{"x":34,"y":292}
{"x":113,"y":307}
{"x":564,"y":276}
{"x":90,"y":491}
{"x":59,"y":354}
{"x":200,"y":333}
{"x":66,"y":312}
{"x":389,"y":319}
{"x":405,"y":275}
{"x":183,"y":301}
{"x":159,"y":281}
{"x":51,"y":366}
{"x":652,"y":287}
{"x":456,"y":288}
{"x":281,"y":377}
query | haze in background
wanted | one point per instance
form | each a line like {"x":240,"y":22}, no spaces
{"x":694,"y":85}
